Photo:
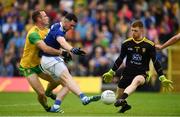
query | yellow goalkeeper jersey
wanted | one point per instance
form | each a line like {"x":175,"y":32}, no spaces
{"x":30,"y":56}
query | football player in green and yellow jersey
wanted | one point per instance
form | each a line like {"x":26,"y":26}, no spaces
{"x":30,"y":61}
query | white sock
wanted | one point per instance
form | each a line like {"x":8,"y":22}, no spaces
{"x":56,"y":106}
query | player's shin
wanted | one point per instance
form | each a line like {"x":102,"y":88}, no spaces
{"x":62,"y":93}
{"x":43,"y":101}
{"x":68,"y":81}
{"x":56,"y":106}
{"x":60,"y":96}
{"x":49,"y":89}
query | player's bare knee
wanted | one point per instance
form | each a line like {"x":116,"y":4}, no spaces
{"x":139,"y":80}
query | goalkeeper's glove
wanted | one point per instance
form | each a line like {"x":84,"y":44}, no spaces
{"x":78,"y":51}
{"x":167,"y":84}
{"x":148,"y":77}
{"x":107,"y":77}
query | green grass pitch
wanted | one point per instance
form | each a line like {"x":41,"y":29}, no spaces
{"x":143,"y":104}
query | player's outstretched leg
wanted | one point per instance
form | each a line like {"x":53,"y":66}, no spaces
{"x":125,"y":108}
{"x":95,"y":98}
{"x":86,"y":100}
{"x":56,"y":110}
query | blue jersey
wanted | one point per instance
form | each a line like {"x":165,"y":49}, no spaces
{"x":56,"y":30}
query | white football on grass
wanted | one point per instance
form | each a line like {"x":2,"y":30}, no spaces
{"x":108,"y":97}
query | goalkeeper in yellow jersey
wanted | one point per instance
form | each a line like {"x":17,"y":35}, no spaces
{"x":30,"y":61}
{"x":138,"y":51}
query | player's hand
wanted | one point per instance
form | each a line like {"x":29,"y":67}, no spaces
{"x":107,"y":77}
{"x":78,"y":51}
{"x":67,"y":56}
{"x":167,"y":84}
{"x":159,"y":47}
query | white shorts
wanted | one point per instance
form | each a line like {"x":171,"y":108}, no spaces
{"x":53,"y":66}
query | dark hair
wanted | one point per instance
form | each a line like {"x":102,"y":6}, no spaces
{"x":137,"y":23}
{"x":64,"y":13}
{"x":71,"y":16}
{"x":35,"y":15}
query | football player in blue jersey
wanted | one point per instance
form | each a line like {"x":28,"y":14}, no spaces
{"x":55,"y":66}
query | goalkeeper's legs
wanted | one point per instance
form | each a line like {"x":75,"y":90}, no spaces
{"x":124,"y":108}
{"x":122,"y":94}
{"x":119,"y":101}
{"x":137,"y":81}
{"x":119,"y":92}
{"x":123,"y":103}
{"x":37,"y":86}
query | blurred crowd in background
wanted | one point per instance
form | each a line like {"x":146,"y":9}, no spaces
{"x":102,"y":27}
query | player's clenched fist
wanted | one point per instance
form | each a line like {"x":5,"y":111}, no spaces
{"x":67,"y":56}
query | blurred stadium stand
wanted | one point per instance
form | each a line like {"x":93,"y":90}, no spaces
{"x":174,"y":65}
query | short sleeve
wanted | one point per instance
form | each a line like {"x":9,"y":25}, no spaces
{"x":60,"y":34}
{"x":34,"y":38}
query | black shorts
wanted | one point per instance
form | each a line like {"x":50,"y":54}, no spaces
{"x":127,"y":78}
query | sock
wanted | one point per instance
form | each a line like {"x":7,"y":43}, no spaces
{"x":81,"y":95}
{"x":124,"y":96}
{"x":57,"y":104}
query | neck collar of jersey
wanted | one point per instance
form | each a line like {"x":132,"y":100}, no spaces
{"x":40,"y":28}
{"x":62,"y":27}
{"x":139,"y":41}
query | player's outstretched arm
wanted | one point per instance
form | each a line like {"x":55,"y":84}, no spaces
{"x":108,"y":76}
{"x":171,"y":41}
{"x":69,"y":48}
{"x":67,"y":56}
